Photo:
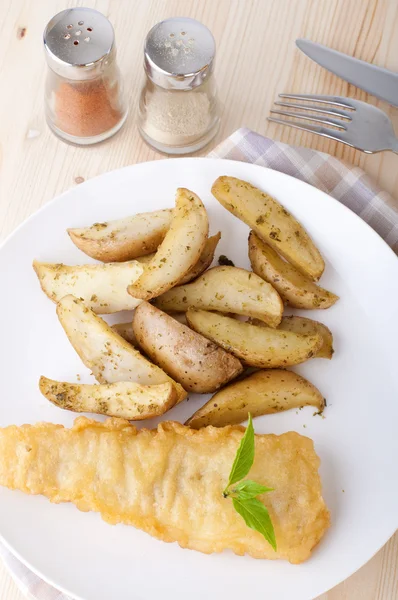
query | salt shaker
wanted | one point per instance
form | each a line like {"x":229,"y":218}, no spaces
{"x":84,"y":100}
{"x":178,"y":110}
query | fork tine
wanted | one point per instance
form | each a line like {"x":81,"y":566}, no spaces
{"x":321,"y":131}
{"x":315,"y":118}
{"x":335,"y":100}
{"x":333,"y":113}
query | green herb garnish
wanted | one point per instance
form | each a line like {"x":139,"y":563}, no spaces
{"x":224,"y":261}
{"x":250,"y":489}
{"x":243,"y":495}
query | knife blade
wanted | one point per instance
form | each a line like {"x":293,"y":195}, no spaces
{"x":380,"y":82}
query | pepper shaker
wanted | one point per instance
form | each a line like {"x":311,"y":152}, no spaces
{"x":178,"y":110}
{"x":84,"y":100}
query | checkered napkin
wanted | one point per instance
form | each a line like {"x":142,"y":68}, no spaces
{"x":347,"y":184}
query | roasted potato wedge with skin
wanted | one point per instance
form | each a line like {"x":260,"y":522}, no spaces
{"x":124,"y":239}
{"x":205,"y":260}
{"x":295,"y":289}
{"x":125,"y":330}
{"x":104,"y":352}
{"x":103,"y":288}
{"x":180,"y":250}
{"x":123,"y":399}
{"x":271,"y":222}
{"x":262,"y":393}
{"x":227,"y":290}
{"x":261,"y":347}
{"x":305,"y":326}
{"x":199,"y":365}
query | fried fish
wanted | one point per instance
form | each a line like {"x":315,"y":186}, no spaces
{"x":169,"y":481}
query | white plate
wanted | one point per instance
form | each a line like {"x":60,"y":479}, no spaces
{"x":357,"y":441}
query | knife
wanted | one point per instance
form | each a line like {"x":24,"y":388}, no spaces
{"x":380,"y":82}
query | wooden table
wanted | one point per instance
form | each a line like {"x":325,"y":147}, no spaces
{"x":257,"y":59}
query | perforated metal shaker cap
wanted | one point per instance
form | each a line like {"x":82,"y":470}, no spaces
{"x":179,"y":53}
{"x":78,"y":43}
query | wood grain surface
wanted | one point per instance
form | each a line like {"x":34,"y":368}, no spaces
{"x":256,"y":60}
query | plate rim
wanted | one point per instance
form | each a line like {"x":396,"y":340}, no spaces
{"x":87,"y":182}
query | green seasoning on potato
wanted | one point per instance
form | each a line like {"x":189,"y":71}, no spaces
{"x":262,"y":393}
{"x":123,"y":399}
{"x":305,"y":326}
{"x":124,"y":239}
{"x":189,"y":229}
{"x":271,"y":222}
{"x":228,"y":290}
{"x":102,"y":287}
{"x":262,"y":347}
{"x":110,"y":358}
{"x":295,"y":289}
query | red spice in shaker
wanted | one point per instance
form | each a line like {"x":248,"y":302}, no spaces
{"x":84,"y":100}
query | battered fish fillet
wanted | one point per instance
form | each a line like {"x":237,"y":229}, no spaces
{"x":169,"y":482}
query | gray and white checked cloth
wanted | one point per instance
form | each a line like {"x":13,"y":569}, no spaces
{"x":347,"y":184}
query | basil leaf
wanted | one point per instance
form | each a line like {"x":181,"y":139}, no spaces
{"x":244,"y":457}
{"x":256,"y":516}
{"x":249,"y":489}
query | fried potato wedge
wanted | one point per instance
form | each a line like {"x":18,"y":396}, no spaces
{"x":205,"y":260}
{"x":305,"y":326}
{"x":199,"y":365}
{"x":261,"y":347}
{"x":262,"y":393}
{"x":271,"y":222}
{"x":295,"y":289}
{"x":124,"y":399}
{"x":125,"y":330}
{"x":109,"y":356}
{"x":227,"y":290}
{"x":103,"y":288}
{"x":124,"y":239}
{"x":180,"y":250}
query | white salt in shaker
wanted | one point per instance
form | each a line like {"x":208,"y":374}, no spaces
{"x":178,"y":110}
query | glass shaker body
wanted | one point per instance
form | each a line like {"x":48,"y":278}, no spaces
{"x":84,"y":98}
{"x":178,"y":121}
{"x":178,"y":108}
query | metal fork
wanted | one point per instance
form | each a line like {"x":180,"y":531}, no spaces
{"x":346,"y":120}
